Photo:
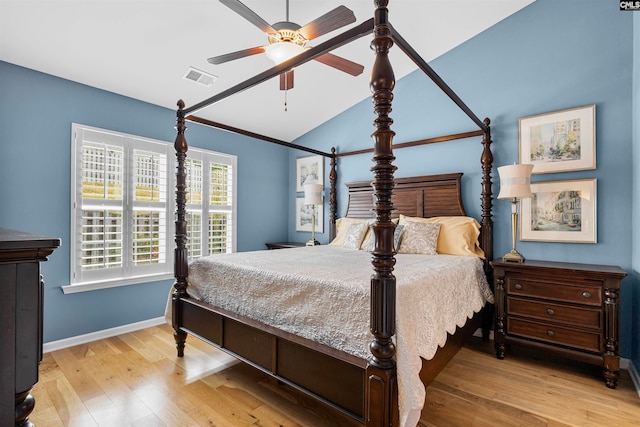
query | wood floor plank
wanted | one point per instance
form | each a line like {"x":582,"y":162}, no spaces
{"x":137,"y":380}
{"x":69,"y":362}
{"x":118,"y":393}
{"x":68,"y":404}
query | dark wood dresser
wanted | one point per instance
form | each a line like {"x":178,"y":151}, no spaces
{"x":21,"y":292}
{"x":570,"y":309}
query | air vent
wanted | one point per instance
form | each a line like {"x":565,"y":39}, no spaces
{"x":198,"y":76}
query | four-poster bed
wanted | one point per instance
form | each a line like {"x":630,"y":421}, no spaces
{"x":364,"y":387}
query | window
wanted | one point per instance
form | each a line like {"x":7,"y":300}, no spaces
{"x":121,"y":207}
{"x":210,"y":203}
{"x":122,"y":191}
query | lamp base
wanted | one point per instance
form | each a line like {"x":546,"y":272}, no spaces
{"x":313,"y":242}
{"x":513,"y":256}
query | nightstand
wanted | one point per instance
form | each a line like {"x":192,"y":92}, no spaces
{"x":284,"y":245}
{"x":570,"y":309}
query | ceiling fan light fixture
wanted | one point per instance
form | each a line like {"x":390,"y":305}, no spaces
{"x":282,"y":51}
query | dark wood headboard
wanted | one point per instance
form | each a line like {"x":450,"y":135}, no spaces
{"x":422,"y":196}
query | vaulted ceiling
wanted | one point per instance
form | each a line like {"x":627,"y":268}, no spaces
{"x":143,"y":48}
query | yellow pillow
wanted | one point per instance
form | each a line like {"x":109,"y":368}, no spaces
{"x":342,"y":226}
{"x":458,"y":234}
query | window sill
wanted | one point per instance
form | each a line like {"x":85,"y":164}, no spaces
{"x":93,"y":286}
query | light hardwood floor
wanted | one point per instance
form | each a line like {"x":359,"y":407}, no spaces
{"x":136,"y":380}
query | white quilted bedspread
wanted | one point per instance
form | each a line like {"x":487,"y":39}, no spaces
{"x":322,"y":293}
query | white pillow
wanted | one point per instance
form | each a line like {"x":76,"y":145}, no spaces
{"x":419,"y":238}
{"x":342,"y":225}
{"x":355,"y":235}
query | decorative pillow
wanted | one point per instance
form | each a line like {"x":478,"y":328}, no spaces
{"x":368,"y":243}
{"x":419,"y":238}
{"x":458,"y":234}
{"x":354,"y":236}
{"x":342,"y":225}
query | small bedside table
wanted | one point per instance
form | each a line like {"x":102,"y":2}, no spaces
{"x":570,"y":309}
{"x":284,"y":245}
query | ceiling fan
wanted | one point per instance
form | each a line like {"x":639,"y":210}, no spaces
{"x":287,"y":39}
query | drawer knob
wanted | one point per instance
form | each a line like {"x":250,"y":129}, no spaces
{"x":586,"y":294}
{"x":550,"y":311}
{"x":518,"y":286}
{"x":550,"y":333}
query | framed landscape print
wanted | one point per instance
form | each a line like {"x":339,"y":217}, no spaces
{"x":559,"y":141}
{"x":304,"y":214}
{"x":309,"y":170}
{"x":560,"y":211}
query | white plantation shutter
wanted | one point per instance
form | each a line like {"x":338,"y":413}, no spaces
{"x":150,"y":176}
{"x":121,"y":187}
{"x":220,"y":207}
{"x":193,"y":169}
{"x":211,"y":196}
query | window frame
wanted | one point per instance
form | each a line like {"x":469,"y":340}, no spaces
{"x":128,"y":273}
{"x":143,"y":275}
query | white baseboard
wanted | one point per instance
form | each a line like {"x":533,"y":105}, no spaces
{"x":105,"y":333}
{"x":634,"y":376}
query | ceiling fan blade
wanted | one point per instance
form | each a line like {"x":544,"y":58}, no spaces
{"x":286,"y":80}
{"x":341,"y":64}
{"x":249,"y":15}
{"x":338,"y":17}
{"x":220,"y":59}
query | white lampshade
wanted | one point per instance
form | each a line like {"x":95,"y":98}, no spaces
{"x":281,"y":51}
{"x":515,"y":181}
{"x":313,"y":194}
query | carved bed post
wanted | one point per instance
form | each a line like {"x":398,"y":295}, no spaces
{"x":181,"y":258}
{"x":381,"y":386}
{"x":333,"y":200}
{"x":487,"y":201}
{"x":486,"y":238}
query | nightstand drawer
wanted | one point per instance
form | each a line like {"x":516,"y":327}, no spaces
{"x":584,"y":317}
{"x":589,"y":341}
{"x":557,"y":291}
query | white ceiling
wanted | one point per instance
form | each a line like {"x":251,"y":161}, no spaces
{"x":142,"y":48}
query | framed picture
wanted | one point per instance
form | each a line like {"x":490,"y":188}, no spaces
{"x":560,"y":211}
{"x":309,"y":170}
{"x":303,"y":216}
{"x":560,"y":141}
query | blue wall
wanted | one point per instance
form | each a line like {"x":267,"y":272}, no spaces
{"x":549,"y":56}
{"x":36,"y":112}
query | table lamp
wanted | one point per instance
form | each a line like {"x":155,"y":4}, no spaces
{"x":515,"y":184}
{"x":313,"y":197}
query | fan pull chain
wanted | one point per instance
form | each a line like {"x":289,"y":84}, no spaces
{"x":286,"y":87}
{"x":285,"y":100}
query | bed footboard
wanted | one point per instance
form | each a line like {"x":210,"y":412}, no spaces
{"x":331,"y":376}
